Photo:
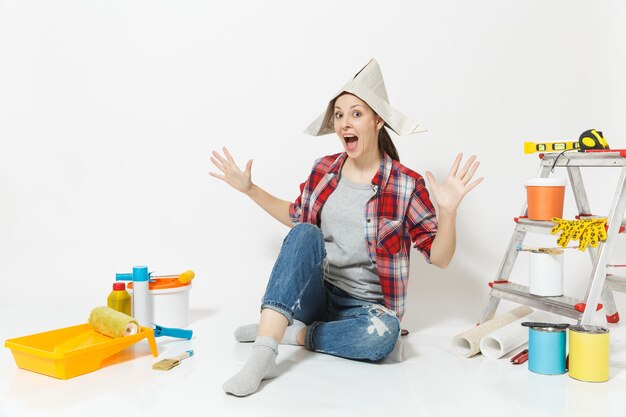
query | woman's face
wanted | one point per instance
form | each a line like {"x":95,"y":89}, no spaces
{"x":357,"y":125}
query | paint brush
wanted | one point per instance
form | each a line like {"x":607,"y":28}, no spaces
{"x":167,"y":364}
{"x":549,"y":251}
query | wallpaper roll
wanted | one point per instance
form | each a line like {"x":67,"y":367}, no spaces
{"x":467,"y":344}
{"x":504,"y":340}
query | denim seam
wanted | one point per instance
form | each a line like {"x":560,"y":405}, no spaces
{"x":308,"y":339}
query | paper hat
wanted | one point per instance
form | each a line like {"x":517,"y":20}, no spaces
{"x":368,"y":85}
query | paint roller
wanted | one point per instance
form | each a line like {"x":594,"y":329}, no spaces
{"x":112,"y":323}
{"x":183,"y":278}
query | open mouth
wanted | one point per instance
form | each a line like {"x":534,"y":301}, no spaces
{"x":351,"y":142}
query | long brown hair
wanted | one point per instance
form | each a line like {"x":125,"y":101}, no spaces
{"x":385,"y":144}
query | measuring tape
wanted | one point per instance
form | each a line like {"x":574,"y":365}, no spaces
{"x":593,"y":139}
{"x":532,"y":147}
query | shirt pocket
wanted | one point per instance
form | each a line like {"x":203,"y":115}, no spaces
{"x":389,"y":235}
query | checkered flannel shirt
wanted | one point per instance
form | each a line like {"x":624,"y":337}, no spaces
{"x":399,"y":212}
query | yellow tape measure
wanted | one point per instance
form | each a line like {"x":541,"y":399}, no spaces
{"x":593,"y":139}
{"x":545,"y":147}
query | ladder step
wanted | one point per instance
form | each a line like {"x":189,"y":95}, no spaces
{"x":615,"y":282}
{"x":584,"y":159}
{"x":533,"y":226}
{"x":565,"y":306}
{"x":545,"y":226}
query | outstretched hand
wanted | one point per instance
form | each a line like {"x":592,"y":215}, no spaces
{"x":232,"y":175}
{"x":449,"y":193}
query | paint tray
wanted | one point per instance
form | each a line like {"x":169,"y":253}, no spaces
{"x":72,"y":351}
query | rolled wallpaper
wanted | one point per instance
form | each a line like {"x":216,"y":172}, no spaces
{"x":508,"y":338}
{"x":467,"y":344}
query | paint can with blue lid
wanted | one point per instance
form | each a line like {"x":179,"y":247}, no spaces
{"x":547,"y":348}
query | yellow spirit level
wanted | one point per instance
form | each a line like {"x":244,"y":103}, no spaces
{"x":545,"y":147}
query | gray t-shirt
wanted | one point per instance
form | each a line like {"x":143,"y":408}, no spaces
{"x":343,"y":224}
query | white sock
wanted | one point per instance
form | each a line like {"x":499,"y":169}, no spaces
{"x":261,"y":365}
{"x":248,"y":332}
{"x":397,"y":354}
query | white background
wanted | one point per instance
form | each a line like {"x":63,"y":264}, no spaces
{"x":109,"y":111}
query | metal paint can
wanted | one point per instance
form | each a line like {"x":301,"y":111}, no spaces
{"x":546,"y":350}
{"x":545,"y":274}
{"x":589,"y":353}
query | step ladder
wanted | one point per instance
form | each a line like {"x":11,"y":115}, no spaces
{"x":601,"y":286}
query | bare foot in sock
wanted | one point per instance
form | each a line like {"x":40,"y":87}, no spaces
{"x":247,"y":333}
{"x":261,"y":365}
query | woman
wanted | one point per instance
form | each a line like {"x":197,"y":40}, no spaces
{"x":339,"y":283}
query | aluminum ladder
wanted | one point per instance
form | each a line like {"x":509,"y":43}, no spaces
{"x":601,"y":286}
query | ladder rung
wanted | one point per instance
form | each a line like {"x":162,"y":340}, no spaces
{"x":564,"y":306}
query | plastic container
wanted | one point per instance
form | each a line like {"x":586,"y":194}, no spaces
{"x":589,"y":353}
{"x":141,"y":301}
{"x":119,"y":299}
{"x":545,"y":198}
{"x":169,"y":301}
{"x":545,"y":274}
{"x":546,"y":350}
{"x":72,"y":351}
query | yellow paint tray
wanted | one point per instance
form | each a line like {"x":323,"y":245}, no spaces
{"x":71,"y":351}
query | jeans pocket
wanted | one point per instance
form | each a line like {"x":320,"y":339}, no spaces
{"x":390,"y":235}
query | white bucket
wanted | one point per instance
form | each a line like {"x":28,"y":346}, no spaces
{"x":169,"y":307}
{"x":545,"y":274}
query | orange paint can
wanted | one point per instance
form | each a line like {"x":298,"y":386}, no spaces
{"x":545,"y":198}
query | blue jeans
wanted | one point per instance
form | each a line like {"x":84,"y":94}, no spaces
{"x":339,"y":324}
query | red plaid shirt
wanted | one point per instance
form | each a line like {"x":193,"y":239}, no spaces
{"x":399,"y":212}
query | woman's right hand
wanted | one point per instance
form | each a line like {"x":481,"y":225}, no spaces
{"x":232,"y":175}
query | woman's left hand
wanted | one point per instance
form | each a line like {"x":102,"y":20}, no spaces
{"x":449,"y":193}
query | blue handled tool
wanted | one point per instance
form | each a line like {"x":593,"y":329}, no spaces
{"x":172,"y":332}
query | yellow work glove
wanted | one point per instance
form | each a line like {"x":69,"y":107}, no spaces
{"x":589,"y":232}
{"x":566,"y":229}
{"x":595,"y":232}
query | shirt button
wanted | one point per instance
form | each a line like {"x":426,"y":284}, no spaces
{"x":369,"y":220}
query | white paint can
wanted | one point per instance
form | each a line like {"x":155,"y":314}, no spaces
{"x":545,"y":274}
{"x":169,"y":302}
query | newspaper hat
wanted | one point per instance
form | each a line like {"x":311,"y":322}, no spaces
{"x":368,"y":85}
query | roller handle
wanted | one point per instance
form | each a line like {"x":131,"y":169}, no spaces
{"x":172,"y":332}
{"x":123,"y":277}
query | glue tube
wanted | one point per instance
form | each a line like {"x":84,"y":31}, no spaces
{"x":141,"y":300}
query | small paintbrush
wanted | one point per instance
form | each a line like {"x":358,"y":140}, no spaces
{"x":549,"y":251}
{"x":167,"y":364}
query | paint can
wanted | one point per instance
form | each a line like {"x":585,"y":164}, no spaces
{"x":589,"y":353}
{"x":545,"y":274}
{"x":546,"y":350}
{"x":545,"y":198}
{"x":169,"y":302}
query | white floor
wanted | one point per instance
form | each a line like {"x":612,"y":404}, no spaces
{"x":432,"y":381}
